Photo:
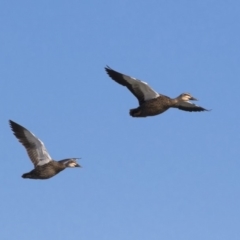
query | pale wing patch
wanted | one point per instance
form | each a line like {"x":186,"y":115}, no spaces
{"x":146,"y":90}
{"x":43,"y":162}
{"x":38,"y":149}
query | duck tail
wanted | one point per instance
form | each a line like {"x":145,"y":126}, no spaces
{"x":26,"y":175}
{"x":135,"y":112}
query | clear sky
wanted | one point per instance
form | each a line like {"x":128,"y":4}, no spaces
{"x":175,"y":176}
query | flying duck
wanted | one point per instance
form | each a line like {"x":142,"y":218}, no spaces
{"x":44,"y":166}
{"x":152,"y":103}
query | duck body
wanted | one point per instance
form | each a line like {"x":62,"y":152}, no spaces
{"x":152,"y":107}
{"x":45,"y":171}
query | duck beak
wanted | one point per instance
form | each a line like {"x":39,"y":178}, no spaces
{"x":77,"y":165}
{"x":193,"y":99}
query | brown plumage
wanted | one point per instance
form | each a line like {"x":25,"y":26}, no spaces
{"x":45,"y":166}
{"x":152,"y":103}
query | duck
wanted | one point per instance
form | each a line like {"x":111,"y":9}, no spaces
{"x":152,"y":103}
{"x":44,"y":166}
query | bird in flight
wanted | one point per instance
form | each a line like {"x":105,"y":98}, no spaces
{"x":150,"y":102}
{"x":44,"y":166}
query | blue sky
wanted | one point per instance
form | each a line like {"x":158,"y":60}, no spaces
{"x":173,"y":176}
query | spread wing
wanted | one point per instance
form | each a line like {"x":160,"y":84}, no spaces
{"x":141,"y":90}
{"x":189,"y":106}
{"x":34,"y":146}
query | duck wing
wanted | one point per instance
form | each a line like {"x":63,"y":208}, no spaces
{"x":34,"y":146}
{"x":141,"y":90}
{"x":189,"y":106}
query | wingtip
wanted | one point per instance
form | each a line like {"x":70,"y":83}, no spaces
{"x":205,"y":110}
{"x":11,"y":123}
{"x":107,"y":68}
